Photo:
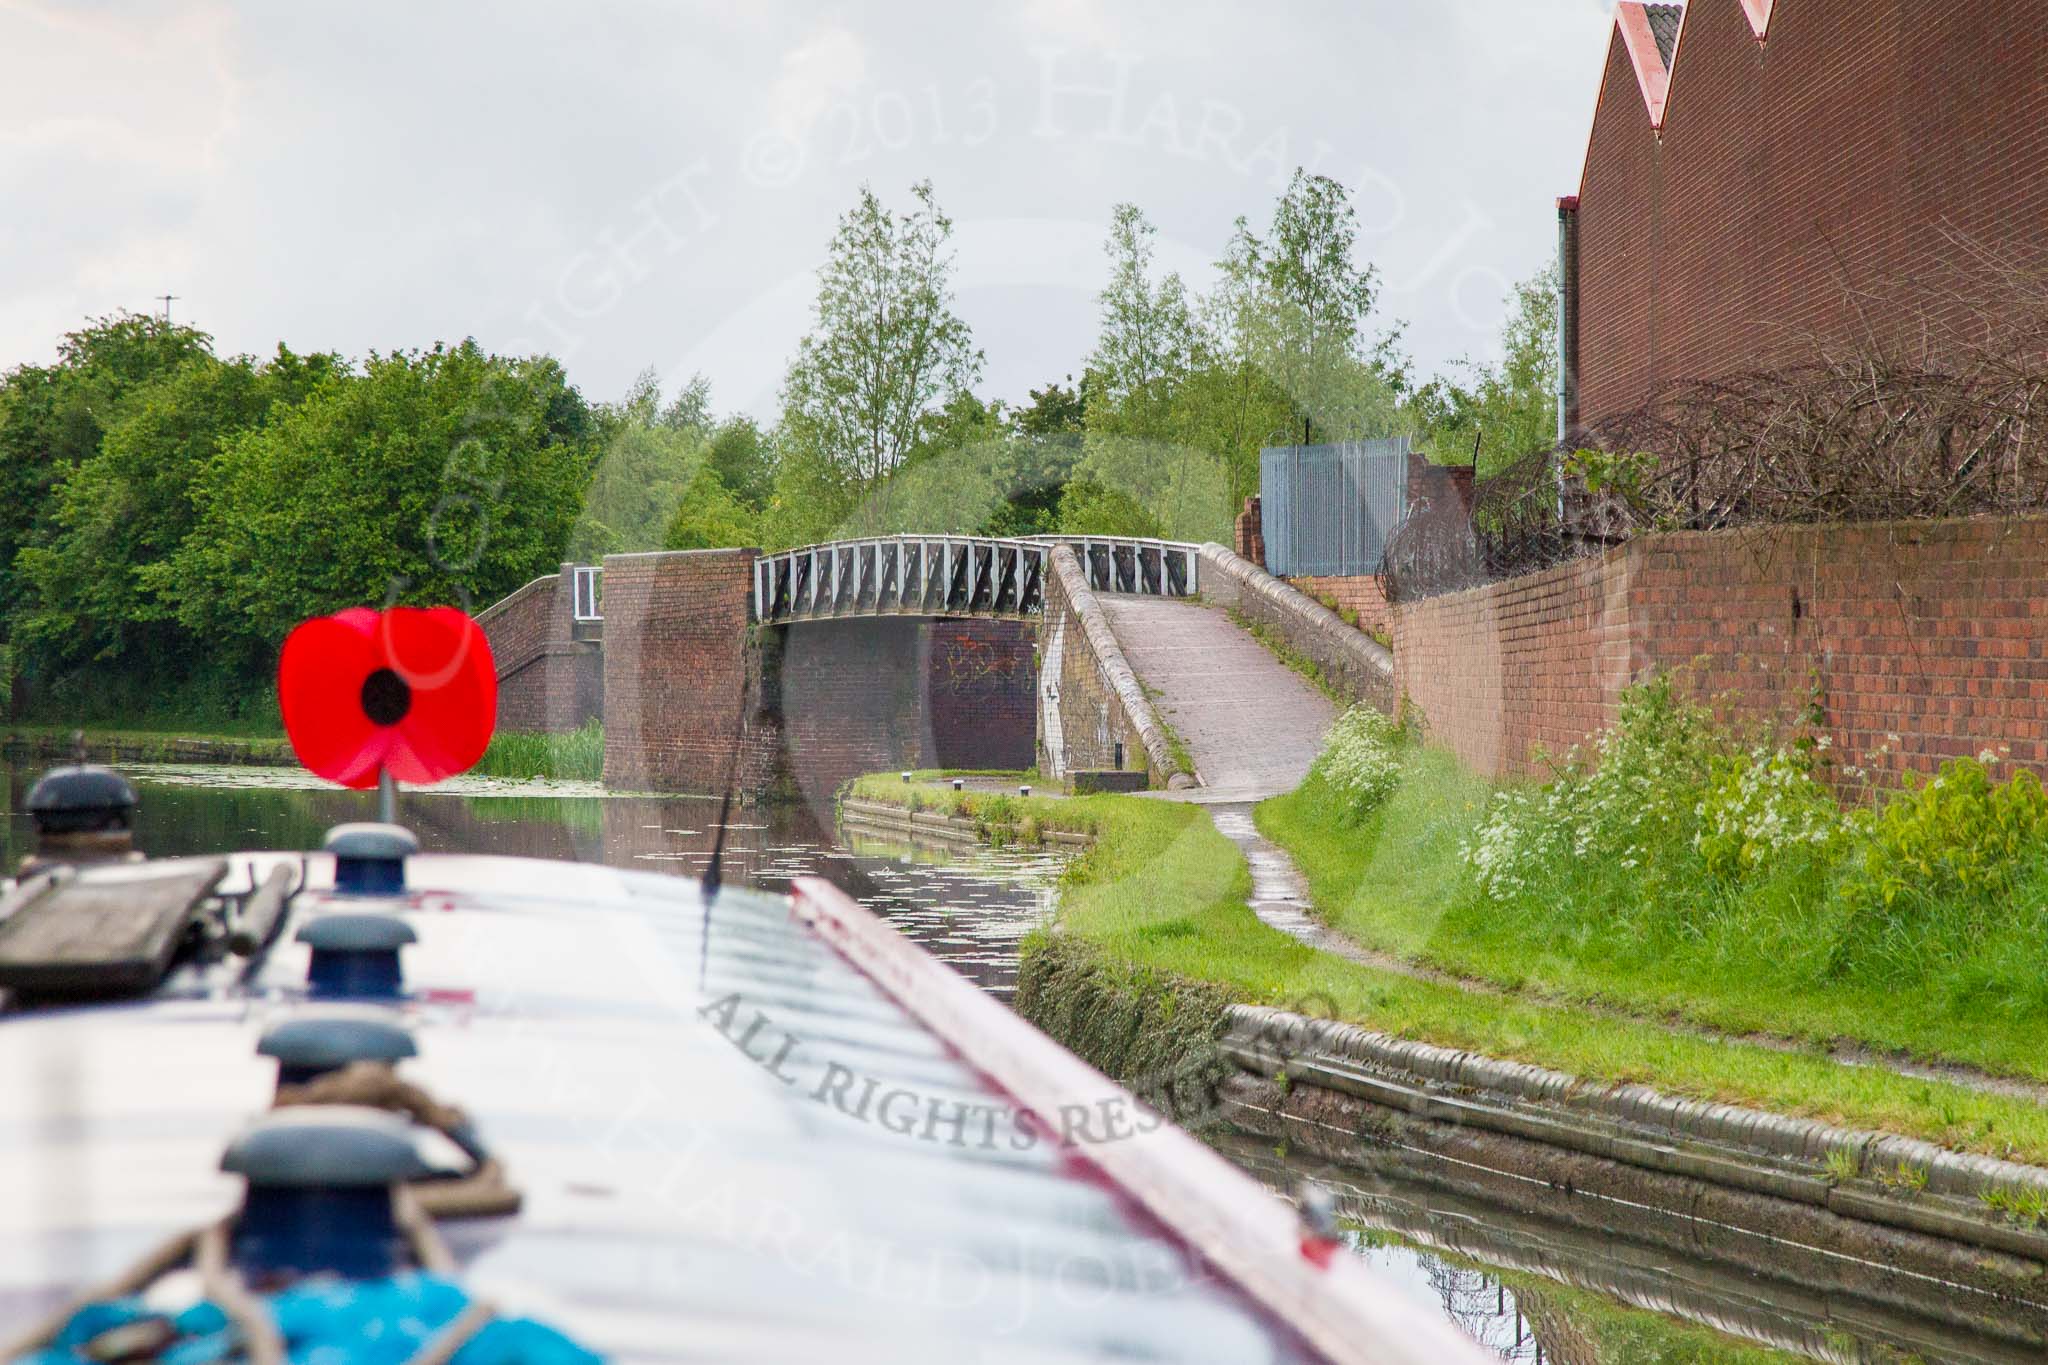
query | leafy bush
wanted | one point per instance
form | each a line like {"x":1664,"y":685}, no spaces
{"x":1360,"y":765}
{"x":1667,"y":867}
{"x":1761,"y":806}
{"x":1939,"y":865}
{"x":1636,"y":797}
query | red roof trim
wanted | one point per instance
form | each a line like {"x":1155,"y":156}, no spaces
{"x":1651,"y":74}
{"x":1759,"y":12}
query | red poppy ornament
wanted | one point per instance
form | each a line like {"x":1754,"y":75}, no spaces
{"x":408,"y":691}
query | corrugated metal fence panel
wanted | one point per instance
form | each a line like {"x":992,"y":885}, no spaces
{"x":1276,"y":490}
{"x":1329,"y":509}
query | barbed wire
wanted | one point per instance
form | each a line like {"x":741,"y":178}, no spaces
{"x":1943,"y":420}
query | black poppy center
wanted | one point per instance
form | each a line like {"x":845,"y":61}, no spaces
{"x":386,"y":697}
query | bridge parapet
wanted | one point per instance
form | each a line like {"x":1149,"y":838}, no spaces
{"x":956,"y":575}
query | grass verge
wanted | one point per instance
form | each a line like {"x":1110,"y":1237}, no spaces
{"x":140,"y":744}
{"x":1737,"y":960}
{"x":1162,"y":892}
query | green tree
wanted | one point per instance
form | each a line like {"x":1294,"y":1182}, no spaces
{"x":129,"y":505}
{"x":813,"y":498}
{"x":1055,"y":410}
{"x":690,"y":409}
{"x":438,"y":476}
{"x":743,"y":457}
{"x":710,"y":517}
{"x":978,"y":474}
{"x":1506,"y":409}
{"x":53,"y":417}
{"x":1297,"y":304}
{"x":1147,"y":340}
{"x":653,"y":461}
{"x":1089,"y":509}
{"x":646,"y":456}
{"x":885,"y":346}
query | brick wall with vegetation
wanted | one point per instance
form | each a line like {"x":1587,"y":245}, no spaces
{"x":1356,"y":598}
{"x":1903,"y":643}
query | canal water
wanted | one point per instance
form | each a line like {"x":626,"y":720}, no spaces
{"x":1547,"y":1285}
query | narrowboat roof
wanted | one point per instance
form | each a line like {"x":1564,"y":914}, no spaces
{"x":770,"y":1133}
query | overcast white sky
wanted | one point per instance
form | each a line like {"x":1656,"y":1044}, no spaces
{"x":634,"y":183}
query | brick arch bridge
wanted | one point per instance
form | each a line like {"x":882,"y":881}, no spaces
{"x":791,"y":672}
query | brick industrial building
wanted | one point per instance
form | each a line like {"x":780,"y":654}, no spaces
{"x":1762,"y":176}
{"x":1753,"y":163}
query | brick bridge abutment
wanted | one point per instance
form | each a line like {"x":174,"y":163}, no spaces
{"x":692,"y":691}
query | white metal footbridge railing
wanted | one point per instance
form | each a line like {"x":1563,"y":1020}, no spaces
{"x":956,"y":575}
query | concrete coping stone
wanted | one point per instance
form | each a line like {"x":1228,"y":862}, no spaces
{"x":1638,"y":1124}
{"x":518,"y":594}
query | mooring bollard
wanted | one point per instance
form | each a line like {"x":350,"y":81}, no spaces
{"x":1024,"y":790}
{"x":959,"y":784}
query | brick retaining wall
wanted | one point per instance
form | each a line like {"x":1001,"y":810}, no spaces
{"x":867,"y":694}
{"x":549,"y":679}
{"x":687,"y":692}
{"x":1936,"y":632}
{"x":1358,"y":594}
{"x":1105,"y":719}
{"x":981,"y":693}
{"x":850,"y":700}
{"x":1351,"y":662}
{"x":1537,"y":660}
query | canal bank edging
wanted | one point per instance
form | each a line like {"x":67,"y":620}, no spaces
{"x":880,"y":818}
{"x":51,"y":744}
{"x":1906,"y":1184}
{"x":1877,"y":1283}
{"x":1914,"y":1185}
{"x":1620,"y":1250}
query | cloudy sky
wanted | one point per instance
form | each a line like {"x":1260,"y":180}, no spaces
{"x":635,"y":183}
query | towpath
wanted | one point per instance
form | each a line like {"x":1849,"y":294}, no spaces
{"x":1251,"y":725}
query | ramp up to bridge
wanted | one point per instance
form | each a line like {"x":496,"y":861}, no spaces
{"x":1251,"y":724}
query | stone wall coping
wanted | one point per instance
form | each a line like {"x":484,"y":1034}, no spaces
{"x":1748,"y":1149}
{"x":1109,"y":657}
{"x":1309,"y":623}
{"x":518,"y":594}
{"x":884,"y":816}
{"x":676,"y":554}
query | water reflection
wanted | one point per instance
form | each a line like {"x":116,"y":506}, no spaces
{"x":1583,"y":1281}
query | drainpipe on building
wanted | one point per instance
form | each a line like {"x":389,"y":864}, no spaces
{"x":1567,"y":330}
{"x":1567,"y":315}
